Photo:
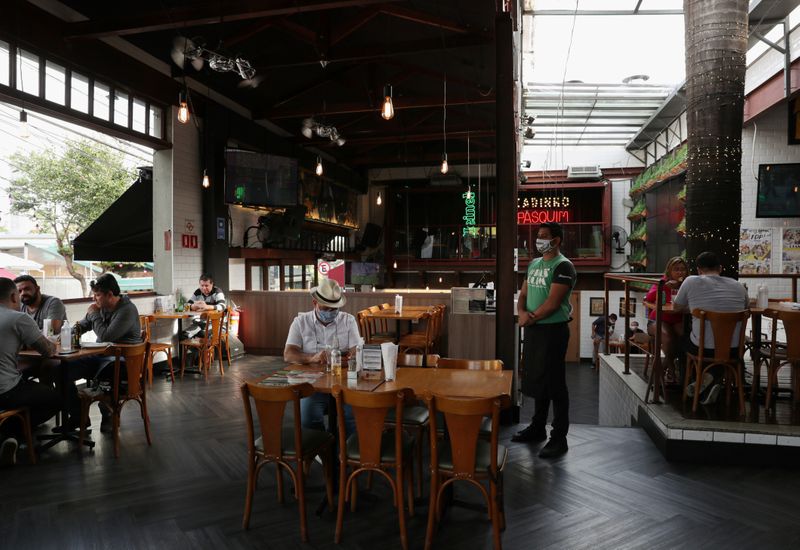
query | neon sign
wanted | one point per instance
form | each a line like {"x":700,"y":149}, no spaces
{"x":535,"y":217}
{"x":469,"y":215}
{"x":543,"y":202}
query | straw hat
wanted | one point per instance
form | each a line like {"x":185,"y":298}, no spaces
{"x":329,"y":294}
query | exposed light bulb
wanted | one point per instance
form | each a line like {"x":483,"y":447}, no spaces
{"x":387,"y":112}
{"x":183,"y":109}
{"x":469,"y":193}
{"x":444,"y":169}
{"x":440,"y":279}
{"x":394,"y":265}
{"x":24,"y":130}
{"x":379,"y":200}
{"x":318,"y":171}
{"x":206,"y":180}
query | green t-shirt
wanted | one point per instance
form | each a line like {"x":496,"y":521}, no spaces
{"x":541,"y":274}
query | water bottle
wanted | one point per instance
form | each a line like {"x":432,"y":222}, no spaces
{"x":398,"y":304}
{"x":762,"y":301}
{"x":354,"y":365}
{"x":66,"y":337}
{"x":336,"y":358}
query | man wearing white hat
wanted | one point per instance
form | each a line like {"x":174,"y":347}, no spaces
{"x":308,"y":337}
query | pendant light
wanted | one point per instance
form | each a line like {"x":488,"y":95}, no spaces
{"x":319,"y":170}
{"x":24,"y":131}
{"x":387,"y":112}
{"x":206,"y":180}
{"x":444,"y":167}
{"x":394,"y":265}
{"x":379,"y":200}
{"x":183,"y":109}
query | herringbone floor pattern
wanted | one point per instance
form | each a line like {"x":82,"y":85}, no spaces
{"x":612,"y":490}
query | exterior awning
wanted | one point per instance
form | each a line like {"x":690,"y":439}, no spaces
{"x":124,"y":232}
{"x":14,"y":263}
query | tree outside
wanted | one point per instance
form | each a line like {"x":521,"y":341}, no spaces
{"x":66,"y":192}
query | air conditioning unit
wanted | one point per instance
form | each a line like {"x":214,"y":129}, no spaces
{"x":581,"y":172}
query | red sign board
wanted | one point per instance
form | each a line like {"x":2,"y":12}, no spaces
{"x":535,"y":217}
{"x":189,"y":241}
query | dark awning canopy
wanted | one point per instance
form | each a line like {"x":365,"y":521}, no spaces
{"x":124,"y":232}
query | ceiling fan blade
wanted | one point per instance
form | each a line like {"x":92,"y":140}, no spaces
{"x":251,"y":82}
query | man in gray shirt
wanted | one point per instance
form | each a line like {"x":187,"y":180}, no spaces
{"x":40,"y":306}
{"x":710,"y":291}
{"x":16,"y":330}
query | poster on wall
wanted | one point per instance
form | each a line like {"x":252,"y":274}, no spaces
{"x":791,"y":250}
{"x":755,"y":251}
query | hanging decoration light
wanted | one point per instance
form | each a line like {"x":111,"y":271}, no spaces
{"x":387,"y":112}
{"x":379,"y":200}
{"x":319,"y":170}
{"x":394,"y":265}
{"x":24,"y":130}
{"x":206,"y":180}
{"x":183,"y":108}
{"x":444,"y":167}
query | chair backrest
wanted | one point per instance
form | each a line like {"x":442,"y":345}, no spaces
{"x":135,"y":361}
{"x":470,"y":364}
{"x":144,"y":324}
{"x":226,"y":319}
{"x":363,"y":324}
{"x":386,"y":306}
{"x":270,"y":407}
{"x":463,"y":417}
{"x":369,"y":410}
{"x":417,"y":360}
{"x":791,"y":324}
{"x":723,"y":326}
{"x":213,"y":321}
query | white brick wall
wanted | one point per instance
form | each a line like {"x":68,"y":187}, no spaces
{"x":769,"y":146}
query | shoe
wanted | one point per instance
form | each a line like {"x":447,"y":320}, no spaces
{"x":8,"y":452}
{"x":554,"y":448}
{"x":70,"y":425}
{"x":106,"y":425}
{"x":707,"y":379}
{"x":713,"y":395}
{"x":531,"y":434}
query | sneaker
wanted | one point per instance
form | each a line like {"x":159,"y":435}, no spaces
{"x":707,"y":380}
{"x":531,"y":434}
{"x":8,"y":452}
{"x":713,"y":395}
{"x":554,"y":448}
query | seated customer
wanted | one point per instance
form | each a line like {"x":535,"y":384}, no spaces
{"x":207,"y":297}
{"x":16,"y":330}
{"x":114,"y":319}
{"x":310,"y":333}
{"x":711,"y":291}
{"x":40,"y":307}
{"x":671,"y":323}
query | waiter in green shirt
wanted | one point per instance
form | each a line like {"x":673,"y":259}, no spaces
{"x":544,"y":312}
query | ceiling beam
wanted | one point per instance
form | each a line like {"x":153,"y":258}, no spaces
{"x":362,"y":107}
{"x":433,"y":159}
{"x":319,"y":80}
{"x":400,"y":138}
{"x":191,"y":16}
{"x":343,"y":30}
{"x":415,"y":16}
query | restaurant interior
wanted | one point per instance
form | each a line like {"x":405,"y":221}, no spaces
{"x":394,"y":160}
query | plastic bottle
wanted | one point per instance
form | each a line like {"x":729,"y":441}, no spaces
{"x":355,"y":364}
{"x":762,"y":301}
{"x":66,"y":337}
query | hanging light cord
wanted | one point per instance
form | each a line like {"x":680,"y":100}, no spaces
{"x":444,"y":115}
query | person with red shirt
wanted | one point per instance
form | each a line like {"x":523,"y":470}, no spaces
{"x":671,"y":323}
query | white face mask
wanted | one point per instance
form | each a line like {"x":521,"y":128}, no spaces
{"x":544,"y":245}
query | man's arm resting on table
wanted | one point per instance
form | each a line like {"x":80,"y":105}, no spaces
{"x":293,"y":354}
{"x":45,"y":347}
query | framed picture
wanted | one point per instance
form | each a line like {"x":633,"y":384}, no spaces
{"x":596,"y":306}
{"x":631,"y":307}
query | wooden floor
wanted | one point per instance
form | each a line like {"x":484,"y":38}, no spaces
{"x":612,"y":490}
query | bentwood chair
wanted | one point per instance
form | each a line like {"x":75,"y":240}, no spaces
{"x":470,"y":364}
{"x":723,"y":326}
{"x":782,"y":355}
{"x":23,"y":415}
{"x":420,"y":343}
{"x":146,"y":322}
{"x":134,"y":389}
{"x":283,"y":446}
{"x":465,"y":456}
{"x":207,"y":346}
{"x":224,"y":342}
{"x":417,"y":360}
{"x":373,"y":449}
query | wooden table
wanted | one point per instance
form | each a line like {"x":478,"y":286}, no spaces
{"x":412,"y":314}
{"x":82,"y":353}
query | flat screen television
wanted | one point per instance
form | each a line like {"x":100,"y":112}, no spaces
{"x":778,"y":191}
{"x":258,"y":179}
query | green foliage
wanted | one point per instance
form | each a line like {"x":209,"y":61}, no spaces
{"x":639,"y":234}
{"x":67,"y":192}
{"x":668,"y":166}
{"x":639,"y":210}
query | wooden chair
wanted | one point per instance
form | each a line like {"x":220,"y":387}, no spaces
{"x":466,"y":456}
{"x":783,"y":355}
{"x":224,"y":341}
{"x":421,"y":343}
{"x":645,"y":343}
{"x":207,"y":346}
{"x":24,"y":416}
{"x":723,"y":325}
{"x":372,"y":449}
{"x":417,"y":360}
{"x":378,"y":328}
{"x":470,"y":364}
{"x":155,"y":347}
{"x":283,"y":446}
{"x":135,"y":356}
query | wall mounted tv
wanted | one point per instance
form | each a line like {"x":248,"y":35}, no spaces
{"x":778,"y":191}
{"x":258,"y":179}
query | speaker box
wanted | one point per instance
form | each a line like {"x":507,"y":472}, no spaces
{"x":372,"y":235}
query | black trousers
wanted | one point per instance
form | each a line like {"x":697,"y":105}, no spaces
{"x":544,"y":377}
{"x":42,"y":400}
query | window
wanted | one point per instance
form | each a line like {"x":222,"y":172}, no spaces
{"x":139,"y":115}
{"x":255,"y":277}
{"x":274,"y":277}
{"x":79,"y":92}
{"x":27,"y":72}
{"x":55,"y":83}
{"x":156,"y":116}
{"x":121,"y":109}
{"x":5,"y":63}
{"x":102,"y":97}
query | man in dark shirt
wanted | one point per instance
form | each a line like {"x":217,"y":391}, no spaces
{"x":40,"y":306}
{"x":206,"y":298}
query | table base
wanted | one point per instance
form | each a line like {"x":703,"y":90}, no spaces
{"x":53,"y":439}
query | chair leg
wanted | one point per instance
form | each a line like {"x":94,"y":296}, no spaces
{"x":354,"y":493}
{"x":251,"y":488}
{"x":115,"y":417}
{"x":300,"y":492}
{"x":169,"y":364}
{"x":279,"y":482}
{"x":26,"y":422}
{"x":327,"y":460}
{"x":401,"y":511}
{"x":84,"y":420}
{"x":771,"y":374}
{"x":337,"y":537}
{"x":418,"y":452}
{"x":183,"y":360}
{"x":146,"y":420}
{"x":228,"y":350}
{"x":434,"y":495}
{"x":150,"y":370}
{"x":495,"y":517}
{"x":218,"y":351}
{"x":410,"y":485}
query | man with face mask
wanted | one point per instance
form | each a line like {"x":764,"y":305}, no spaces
{"x":308,"y":337}
{"x":544,"y":312}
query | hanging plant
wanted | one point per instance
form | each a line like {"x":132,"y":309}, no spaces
{"x":639,"y":211}
{"x":639,"y":234}
{"x":681,"y":229}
